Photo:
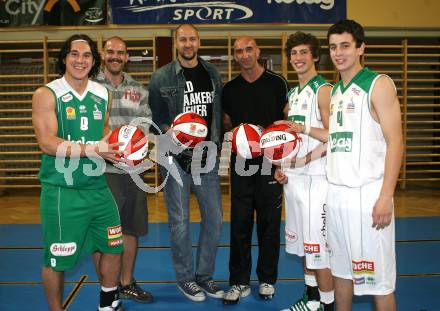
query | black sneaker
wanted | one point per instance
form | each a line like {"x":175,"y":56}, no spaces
{"x":211,"y":289}
{"x":134,"y":292}
{"x":116,"y":306}
{"x":192,"y":291}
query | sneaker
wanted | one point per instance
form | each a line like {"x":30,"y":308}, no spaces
{"x":211,"y":289}
{"x":235,"y":293}
{"x":133,"y":291}
{"x":192,"y":291}
{"x":305,"y":305}
{"x":116,"y":306}
{"x":266,"y":291}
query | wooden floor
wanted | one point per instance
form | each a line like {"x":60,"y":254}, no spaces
{"x":22,"y":206}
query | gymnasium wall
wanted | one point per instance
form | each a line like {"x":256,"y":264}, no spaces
{"x":411,"y":18}
{"x":395,"y":13}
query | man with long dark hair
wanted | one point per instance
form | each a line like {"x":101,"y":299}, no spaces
{"x":77,"y":209}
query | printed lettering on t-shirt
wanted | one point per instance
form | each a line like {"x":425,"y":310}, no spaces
{"x":196,"y":101}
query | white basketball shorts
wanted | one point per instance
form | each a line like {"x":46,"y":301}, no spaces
{"x":360,"y":252}
{"x":306,"y":226}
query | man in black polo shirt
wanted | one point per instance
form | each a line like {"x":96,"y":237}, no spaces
{"x":256,"y":96}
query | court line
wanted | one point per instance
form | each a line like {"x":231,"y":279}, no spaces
{"x":195,"y":246}
{"x":81,"y":283}
{"x":74,"y":292}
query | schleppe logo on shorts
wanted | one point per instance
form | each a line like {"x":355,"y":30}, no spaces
{"x":114,"y":232}
{"x":363,"y":266}
{"x":312,"y":248}
{"x":63,"y":249}
{"x":115,"y":242}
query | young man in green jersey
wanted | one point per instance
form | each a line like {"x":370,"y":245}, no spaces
{"x":70,"y":115}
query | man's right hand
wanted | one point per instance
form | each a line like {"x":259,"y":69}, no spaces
{"x":108,"y":151}
{"x":280,"y":177}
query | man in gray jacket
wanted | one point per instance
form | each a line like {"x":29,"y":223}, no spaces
{"x":191,"y":84}
{"x":130,"y":106}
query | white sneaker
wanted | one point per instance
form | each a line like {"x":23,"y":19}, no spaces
{"x":266,"y":291}
{"x":234,"y":294}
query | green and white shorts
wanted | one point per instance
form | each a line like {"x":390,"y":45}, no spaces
{"x":77,"y":220}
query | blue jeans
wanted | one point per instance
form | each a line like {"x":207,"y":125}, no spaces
{"x":177,"y":201}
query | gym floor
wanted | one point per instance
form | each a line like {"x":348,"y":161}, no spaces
{"x":418,"y":268}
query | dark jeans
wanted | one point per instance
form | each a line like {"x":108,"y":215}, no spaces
{"x":264,"y":195}
{"x":177,"y":199}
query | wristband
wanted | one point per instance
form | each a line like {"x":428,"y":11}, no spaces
{"x":306,"y":129}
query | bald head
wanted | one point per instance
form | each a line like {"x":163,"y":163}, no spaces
{"x":246,"y":53}
{"x":245,"y":40}
{"x":184,"y":28}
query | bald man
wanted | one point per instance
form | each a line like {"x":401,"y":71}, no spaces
{"x":130,"y":105}
{"x":256,"y":96}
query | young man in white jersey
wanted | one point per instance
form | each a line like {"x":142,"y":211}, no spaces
{"x":363,"y":162}
{"x":305,"y":184}
{"x":70,"y":116}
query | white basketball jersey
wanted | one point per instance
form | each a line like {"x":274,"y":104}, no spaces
{"x":304,"y":109}
{"x":356,"y":149}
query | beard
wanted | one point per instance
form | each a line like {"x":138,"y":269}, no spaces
{"x":112,"y":70}
{"x":188,"y":57}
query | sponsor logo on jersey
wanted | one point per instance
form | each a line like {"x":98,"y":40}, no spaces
{"x":304,"y":105}
{"x":297,"y":118}
{"x":114,"y":232}
{"x":356,"y":90}
{"x":82,"y":140}
{"x":66,"y":98}
{"x":293,"y":100}
{"x":291,"y":236}
{"x":63,"y":249}
{"x":115,"y":242}
{"x":350,"y":106}
{"x":341,"y":142}
{"x":96,"y":99}
{"x":363,"y":267}
{"x":82,"y":109}
{"x":311,"y":248}
{"x":97,"y":114}
{"x":70,"y":113}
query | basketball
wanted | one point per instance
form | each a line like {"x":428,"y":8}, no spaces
{"x":246,"y":140}
{"x":279,"y":143}
{"x":189,"y":129}
{"x":135,"y":145}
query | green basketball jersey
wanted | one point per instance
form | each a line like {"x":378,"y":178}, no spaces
{"x":80,"y":119}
